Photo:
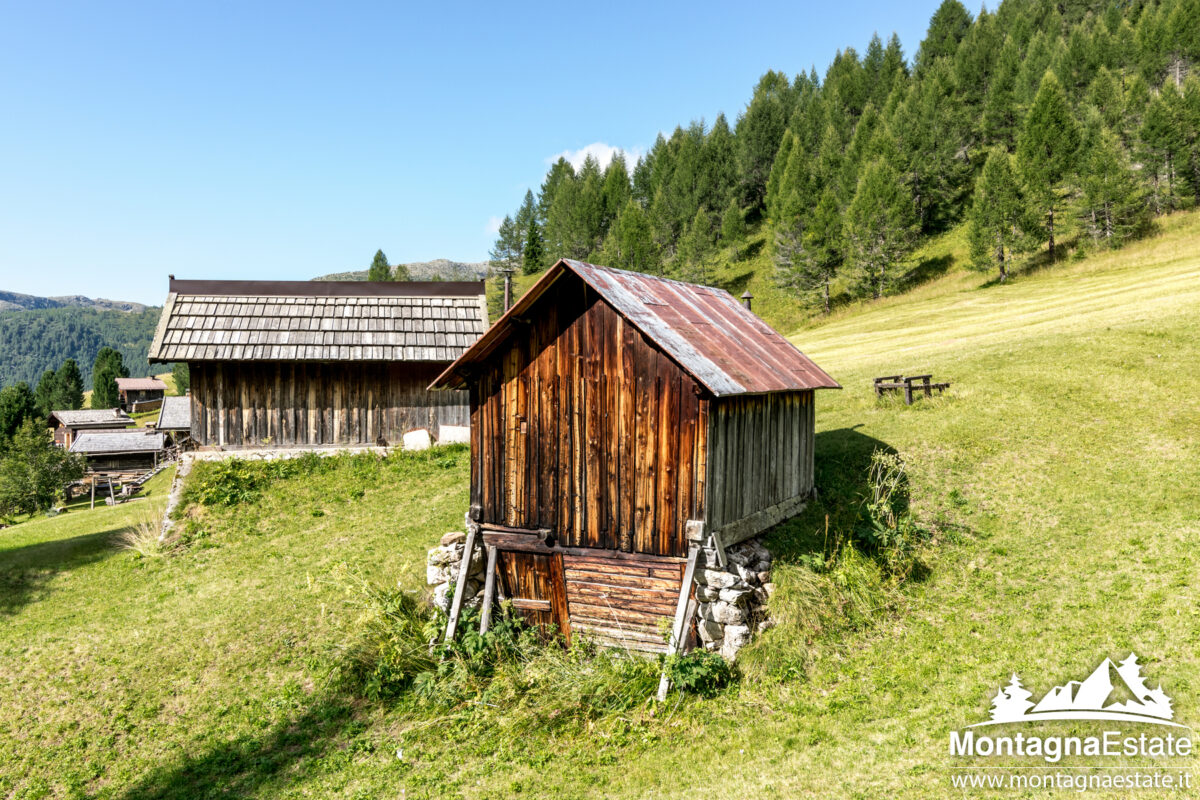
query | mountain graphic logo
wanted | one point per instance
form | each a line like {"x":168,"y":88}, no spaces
{"x":1111,"y":692}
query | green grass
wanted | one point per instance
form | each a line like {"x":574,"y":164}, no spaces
{"x":1060,"y":477}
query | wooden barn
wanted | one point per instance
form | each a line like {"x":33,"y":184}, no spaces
{"x":69,"y":424}
{"x":313,"y":363}
{"x":124,"y":452}
{"x":619,"y":424}
{"x":141,"y":394}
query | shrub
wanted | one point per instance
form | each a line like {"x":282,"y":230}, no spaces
{"x":699,"y":672}
{"x":144,"y":537}
{"x":890,"y":528}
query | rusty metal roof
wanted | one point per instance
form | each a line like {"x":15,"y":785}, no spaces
{"x":716,"y":339}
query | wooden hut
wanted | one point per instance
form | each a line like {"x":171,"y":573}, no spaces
{"x":68,"y":424}
{"x":619,"y":423}
{"x":175,"y":419}
{"x":127,"y":453}
{"x":141,"y":394}
{"x":312,"y":363}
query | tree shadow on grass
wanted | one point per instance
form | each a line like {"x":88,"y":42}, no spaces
{"x":252,"y":764}
{"x":925,"y":271}
{"x":25,"y":571}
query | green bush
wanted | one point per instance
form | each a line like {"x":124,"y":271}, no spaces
{"x":699,"y":672}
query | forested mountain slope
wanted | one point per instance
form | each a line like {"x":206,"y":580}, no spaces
{"x":35,"y":340}
{"x":1048,"y":129}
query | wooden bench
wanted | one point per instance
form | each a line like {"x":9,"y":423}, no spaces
{"x":907,"y":384}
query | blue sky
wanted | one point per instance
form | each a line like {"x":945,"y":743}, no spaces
{"x":284,"y":141}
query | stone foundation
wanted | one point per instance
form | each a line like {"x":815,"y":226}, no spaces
{"x":441,"y":571}
{"x":732,"y":601}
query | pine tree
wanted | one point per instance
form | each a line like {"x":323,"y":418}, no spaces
{"x":45,"y":392}
{"x":69,"y":389}
{"x":560,"y":172}
{"x":1114,"y":202}
{"x":616,"y":190}
{"x":1001,"y":115}
{"x":998,"y":222}
{"x":880,"y":226}
{"x":1190,"y":128}
{"x":1047,"y":150}
{"x":379,"y":269}
{"x":630,"y":242}
{"x":400,"y":272}
{"x":107,"y":368}
{"x":533,"y":255}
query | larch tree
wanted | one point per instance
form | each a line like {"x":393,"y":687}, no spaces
{"x":44,"y":394}
{"x":17,"y":404}
{"x":1114,"y":202}
{"x":998,"y":222}
{"x":733,"y":226}
{"x":880,"y":226}
{"x":506,"y":252}
{"x":533,"y":254}
{"x":630,"y":241}
{"x":808,"y":252}
{"x":379,"y":269}
{"x":1047,"y":150}
{"x":947,"y":27}
{"x":759,"y":132}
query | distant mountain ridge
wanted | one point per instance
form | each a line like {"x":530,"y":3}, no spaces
{"x":440,"y":269}
{"x":15,"y":301}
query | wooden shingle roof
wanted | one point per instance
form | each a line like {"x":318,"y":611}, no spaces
{"x":319,"y":321}
{"x":140,"y":384}
{"x":175,"y":414}
{"x":139,"y":441}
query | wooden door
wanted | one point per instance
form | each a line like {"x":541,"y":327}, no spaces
{"x":534,"y":584}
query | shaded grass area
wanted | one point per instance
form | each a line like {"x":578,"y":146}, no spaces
{"x":1059,"y":477}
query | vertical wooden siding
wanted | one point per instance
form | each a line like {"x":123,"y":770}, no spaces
{"x":761,"y":453}
{"x":583,"y":427}
{"x":283,"y":403}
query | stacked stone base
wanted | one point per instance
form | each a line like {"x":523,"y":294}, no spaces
{"x":441,"y":572}
{"x":732,"y":601}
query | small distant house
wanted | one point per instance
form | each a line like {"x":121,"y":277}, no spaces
{"x":175,"y":418}
{"x":319,"y":363}
{"x":124,"y":452}
{"x":69,"y":424}
{"x":620,"y":423}
{"x":140,"y":394}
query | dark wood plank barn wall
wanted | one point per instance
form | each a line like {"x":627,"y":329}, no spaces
{"x":584,"y":427}
{"x":760,"y":452}
{"x":281,"y":403}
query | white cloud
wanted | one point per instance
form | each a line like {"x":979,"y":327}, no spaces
{"x":603,"y":153}
{"x":493,"y":225}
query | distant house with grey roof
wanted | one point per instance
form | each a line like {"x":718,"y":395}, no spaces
{"x":175,"y":418}
{"x":69,"y":424}
{"x":131,"y":451}
{"x":318,"y":364}
{"x":141,"y":394}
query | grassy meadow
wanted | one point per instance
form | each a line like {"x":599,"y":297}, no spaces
{"x":1059,"y":479}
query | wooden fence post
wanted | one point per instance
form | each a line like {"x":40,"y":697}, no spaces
{"x":489,"y":590}
{"x":681,"y":616}
{"x":460,"y":585}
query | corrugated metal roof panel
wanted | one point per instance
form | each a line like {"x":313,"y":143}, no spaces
{"x":716,"y":339}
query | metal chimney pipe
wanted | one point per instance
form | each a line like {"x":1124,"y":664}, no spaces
{"x":746,"y":298}
{"x":508,"y":273}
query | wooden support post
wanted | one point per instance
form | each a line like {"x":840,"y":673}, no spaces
{"x":908,"y":393}
{"x":719,"y":546}
{"x":93,"y":483}
{"x":489,"y":589}
{"x":681,"y":616}
{"x":460,"y":584}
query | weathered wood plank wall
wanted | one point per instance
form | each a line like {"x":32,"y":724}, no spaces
{"x":282,"y":403}
{"x":761,"y":453}
{"x":584,"y":427}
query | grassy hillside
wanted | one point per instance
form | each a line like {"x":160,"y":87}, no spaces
{"x":1060,"y":477}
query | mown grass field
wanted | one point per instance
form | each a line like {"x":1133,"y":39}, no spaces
{"x":1060,"y":476}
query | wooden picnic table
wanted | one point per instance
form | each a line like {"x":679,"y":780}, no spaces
{"x":906,"y":384}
